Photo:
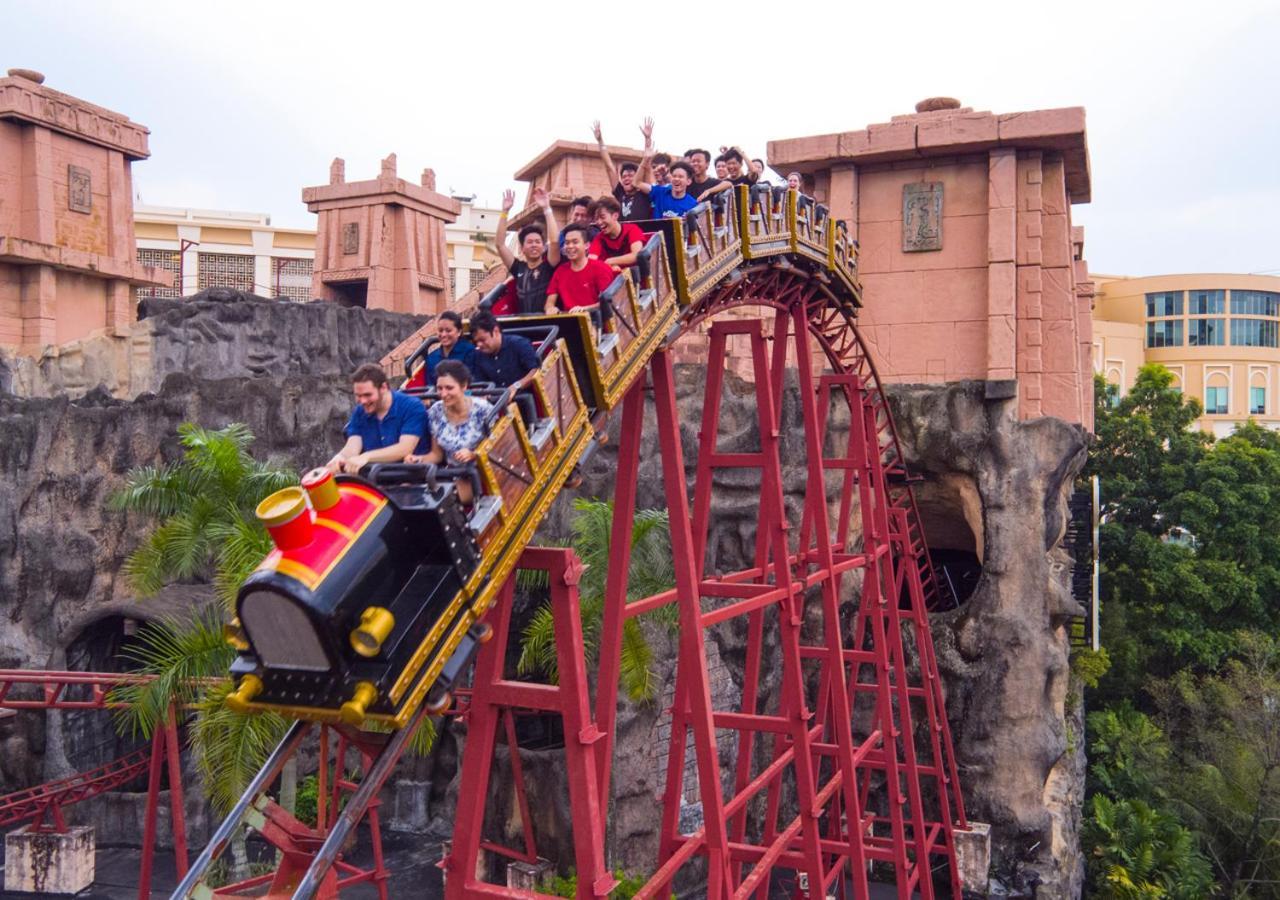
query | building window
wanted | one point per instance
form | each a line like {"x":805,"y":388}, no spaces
{"x":1215,"y":401}
{"x":168,"y":261}
{"x":1168,"y":303}
{"x":1257,"y":401}
{"x":230,"y":270}
{"x":1206,"y":303}
{"x":1206,"y":332}
{"x":1253,"y":332}
{"x":1255,"y":303}
{"x":477,"y":276}
{"x":1164,"y":334}
{"x":292,"y":278}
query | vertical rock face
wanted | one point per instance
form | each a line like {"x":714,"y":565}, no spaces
{"x":1014,"y":714}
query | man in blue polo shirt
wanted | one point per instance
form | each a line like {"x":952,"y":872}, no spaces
{"x":385,"y":427}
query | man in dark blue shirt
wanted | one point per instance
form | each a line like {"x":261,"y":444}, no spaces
{"x":386,"y":425}
{"x":502,"y":359}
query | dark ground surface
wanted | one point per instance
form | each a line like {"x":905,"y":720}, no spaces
{"x":410,"y":860}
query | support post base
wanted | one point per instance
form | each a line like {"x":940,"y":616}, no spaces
{"x":49,"y":863}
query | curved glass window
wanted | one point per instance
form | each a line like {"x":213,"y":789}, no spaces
{"x":1206,"y":332}
{"x":1253,"y":332}
{"x":1167,"y":303}
{"x":1206,"y":303}
{"x":1255,"y":303}
{"x":1164,"y":334}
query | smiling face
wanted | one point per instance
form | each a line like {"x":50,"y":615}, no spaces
{"x":606,"y":221}
{"x":793,"y":181}
{"x":448,"y":333}
{"x":679,"y":181}
{"x":628,"y":178}
{"x":451,"y":391}
{"x":575,"y":245}
{"x":369,"y":397}
{"x":734,"y":166}
{"x":581,"y":214}
{"x":722,"y":169}
{"x":533,"y":248}
{"x":699,"y":161}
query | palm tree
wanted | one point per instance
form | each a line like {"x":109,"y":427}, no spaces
{"x":204,"y":505}
{"x":205,"y":529}
{"x":650,"y":573}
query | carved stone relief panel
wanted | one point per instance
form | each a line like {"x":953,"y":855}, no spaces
{"x":79,"y":190}
{"x":922,"y":216}
{"x":351,"y":238}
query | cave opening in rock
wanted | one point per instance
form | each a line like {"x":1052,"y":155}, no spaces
{"x":91,"y":737}
{"x":951,"y":513}
{"x":351,"y":293}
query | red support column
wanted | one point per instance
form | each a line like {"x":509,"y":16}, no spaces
{"x":693,"y":658}
{"x":153,"y":804}
{"x":177,"y":812}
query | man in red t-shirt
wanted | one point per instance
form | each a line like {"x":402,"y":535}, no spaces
{"x":579,"y":280}
{"x":618,"y":243}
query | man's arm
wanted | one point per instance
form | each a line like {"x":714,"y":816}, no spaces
{"x":646,"y":128}
{"x":543,"y":199}
{"x":723,"y":186}
{"x":627,"y":259}
{"x":604,"y":154}
{"x":552,"y":305}
{"x":500,"y":238}
{"x":528,"y":357}
{"x":349,"y":449}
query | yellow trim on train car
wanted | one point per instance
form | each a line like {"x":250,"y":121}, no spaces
{"x":297,"y":571}
{"x":325,"y":522}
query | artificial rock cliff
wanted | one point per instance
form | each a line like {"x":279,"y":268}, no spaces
{"x":1003,"y":654}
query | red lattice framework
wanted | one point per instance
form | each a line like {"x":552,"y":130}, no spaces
{"x":848,"y":760}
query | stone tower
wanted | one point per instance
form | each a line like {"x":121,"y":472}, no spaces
{"x":67,"y":261}
{"x":970,"y":266}
{"x":381,"y":243}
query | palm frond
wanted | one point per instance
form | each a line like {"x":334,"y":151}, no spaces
{"x":242,"y":544}
{"x":155,"y":491}
{"x":262,"y":480}
{"x":636,"y":661}
{"x":181,"y":655}
{"x":538,"y":646}
{"x":230,"y":748}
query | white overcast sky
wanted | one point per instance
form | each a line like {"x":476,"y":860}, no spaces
{"x":248,"y":102}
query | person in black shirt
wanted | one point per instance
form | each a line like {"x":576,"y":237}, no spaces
{"x":704,"y":186}
{"x":734,"y":161}
{"x":634,"y":203}
{"x":539,"y":255}
{"x":505,"y":360}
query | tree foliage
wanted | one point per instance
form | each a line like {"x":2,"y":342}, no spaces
{"x":1190,"y":541}
{"x":650,"y":573}
{"x":1138,"y":853}
{"x":203,"y":510}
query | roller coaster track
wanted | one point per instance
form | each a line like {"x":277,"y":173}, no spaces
{"x":856,"y":743}
{"x":49,"y":799}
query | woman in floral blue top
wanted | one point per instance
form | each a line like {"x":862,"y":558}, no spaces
{"x":457,"y":422}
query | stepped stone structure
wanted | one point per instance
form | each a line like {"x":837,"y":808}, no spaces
{"x":970,"y":265}
{"x":67,"y":264}
{"x":380,"y":243}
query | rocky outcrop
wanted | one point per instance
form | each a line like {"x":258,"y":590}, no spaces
{"x":217,"y":333}
{"x":988,"y":479}
{"x":1004,"y":654}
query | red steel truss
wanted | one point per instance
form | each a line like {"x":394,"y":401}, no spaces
{"x":846,"y":761}
{"x":91,"y":690}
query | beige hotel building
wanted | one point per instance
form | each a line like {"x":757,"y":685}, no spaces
{"x":1218,"y":334}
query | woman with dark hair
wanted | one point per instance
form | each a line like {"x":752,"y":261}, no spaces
{"x":452,"y":344}
{"x":457,"y":422}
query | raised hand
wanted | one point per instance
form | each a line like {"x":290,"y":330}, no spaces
{"x":508,"y":200}
{"x":646,"y":128}
{"x":595,"y":129}
{"x":542,"y":198}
